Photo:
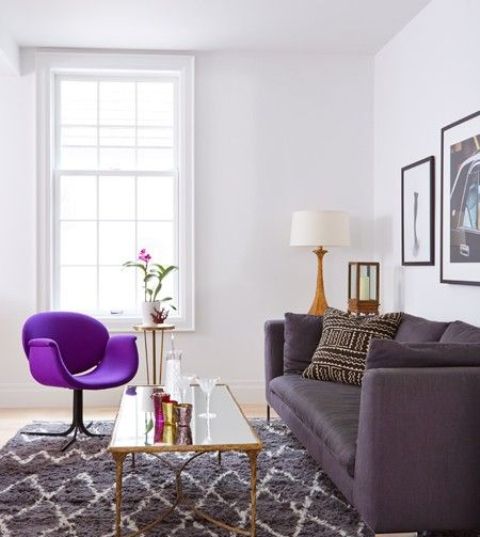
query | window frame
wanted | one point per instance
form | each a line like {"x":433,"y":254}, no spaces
{"x":50,"y":66}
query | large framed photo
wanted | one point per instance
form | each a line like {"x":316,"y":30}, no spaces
{"x":460,"y":212}
{"x":418,"y":212}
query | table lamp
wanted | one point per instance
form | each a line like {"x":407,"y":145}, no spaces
{"x":319,"y":229}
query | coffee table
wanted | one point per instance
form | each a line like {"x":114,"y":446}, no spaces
{"x":134,"y":432}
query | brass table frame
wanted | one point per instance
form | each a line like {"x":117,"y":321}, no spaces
{"x":250,"y":449}
{"x":162,"y":328}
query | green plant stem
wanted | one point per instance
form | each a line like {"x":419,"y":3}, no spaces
{"x":145,"y":282}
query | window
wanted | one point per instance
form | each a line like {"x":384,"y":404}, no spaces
{"x":118,"y":179}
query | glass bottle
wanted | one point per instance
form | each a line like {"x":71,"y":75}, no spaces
{"x":173,"y":372}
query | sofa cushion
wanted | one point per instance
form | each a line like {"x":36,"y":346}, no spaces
{"x":302,"y":334}
{"x":392,"y":354}
{"x":414,"y":329}
{"x":330,"y":410}
{"x":460,"y":332}
{"x":342,"y":350}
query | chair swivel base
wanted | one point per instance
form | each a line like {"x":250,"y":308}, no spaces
{"x":75,"y":428}
{"x":77,"y":425}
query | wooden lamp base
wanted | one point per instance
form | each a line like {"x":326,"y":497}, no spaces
{"x":319,"y":304}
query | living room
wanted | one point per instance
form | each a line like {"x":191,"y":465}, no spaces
{"x":196,"y":153}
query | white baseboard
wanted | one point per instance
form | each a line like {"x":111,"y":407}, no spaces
{"x":31,"y":395}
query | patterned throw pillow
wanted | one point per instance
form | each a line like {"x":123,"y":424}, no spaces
{"x":342,"y":351}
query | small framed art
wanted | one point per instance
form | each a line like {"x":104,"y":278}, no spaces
{"x":418,"y":212}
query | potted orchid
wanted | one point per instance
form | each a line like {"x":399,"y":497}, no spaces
{"x":153,"y":275}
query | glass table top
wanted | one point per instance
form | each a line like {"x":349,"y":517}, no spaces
{"x":135,"y":428}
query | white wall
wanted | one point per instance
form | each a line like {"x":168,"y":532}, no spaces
{"x":17,"y":229}
{"x":425,"y":78}
{"x":274,"y":133}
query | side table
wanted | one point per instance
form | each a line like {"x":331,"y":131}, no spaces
{"x":162,"y":328}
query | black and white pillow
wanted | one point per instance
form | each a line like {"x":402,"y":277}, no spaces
{"x":342,"y":351}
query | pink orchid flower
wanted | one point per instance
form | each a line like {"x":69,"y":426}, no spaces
{"x":144,"y":256}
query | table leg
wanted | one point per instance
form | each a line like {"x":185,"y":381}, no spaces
{"x":252,"y":455}
{"x":146,"y":356}
{"x":119,"y":458}
{"x":161,"y":358}
{"x":154,"y":356}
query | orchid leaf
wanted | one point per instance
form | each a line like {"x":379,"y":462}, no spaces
{"x":159,"y":267}
{"x":156,"y":273}
{"x":157,"y":290}
{"x":168,"y":270}
{"x":134,"y":264}
{"x":163,"y":270}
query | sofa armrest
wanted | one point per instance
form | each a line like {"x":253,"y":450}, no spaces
{"x":418,"y":449}
{"x":274,"y":341}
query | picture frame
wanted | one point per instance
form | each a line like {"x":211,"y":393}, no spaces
{"x":418,"y":213}
{"x":460,"y":202}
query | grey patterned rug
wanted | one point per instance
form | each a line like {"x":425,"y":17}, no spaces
{"x":44,"y":492}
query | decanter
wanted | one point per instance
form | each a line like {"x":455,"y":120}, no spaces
{"x":173,"y":372}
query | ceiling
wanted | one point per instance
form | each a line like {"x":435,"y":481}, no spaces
{"x":326,"y":26}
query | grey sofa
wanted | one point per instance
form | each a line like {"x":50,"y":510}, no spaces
{"x":404,"y":448}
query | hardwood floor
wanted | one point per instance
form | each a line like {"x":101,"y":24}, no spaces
{"x":13,"y":419}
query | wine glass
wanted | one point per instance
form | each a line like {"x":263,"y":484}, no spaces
{"x":208,"y":438}
{"x":185,"y":382}
{"x":207,"y":385}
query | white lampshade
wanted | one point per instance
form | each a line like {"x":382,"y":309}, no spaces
{"x":320,"y":228}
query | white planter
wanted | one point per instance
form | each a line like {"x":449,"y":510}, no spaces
{"x":148,"y":308}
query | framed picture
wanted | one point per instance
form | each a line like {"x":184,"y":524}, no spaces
{"x":418,"y":212}
{"x":460,"y":205}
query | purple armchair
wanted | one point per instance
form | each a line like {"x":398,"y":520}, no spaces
{"x":74,"y":351}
